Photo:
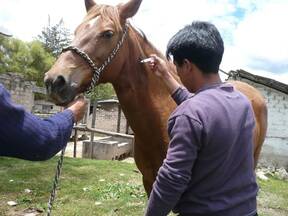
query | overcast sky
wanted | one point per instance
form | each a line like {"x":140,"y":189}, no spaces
{"x":255,"y":32}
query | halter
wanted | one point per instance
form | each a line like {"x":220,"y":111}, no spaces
{"x":98,"y":70}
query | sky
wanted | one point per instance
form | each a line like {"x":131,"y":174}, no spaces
{"x":255,"y":32}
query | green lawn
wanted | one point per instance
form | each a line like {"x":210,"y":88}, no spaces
{"x":273,"y":197}
{"x":87,"y":187}
{"x":90,"y":187}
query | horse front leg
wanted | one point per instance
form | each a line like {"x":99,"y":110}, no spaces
{"x":148,"y":173}
{"x":148,"y":180}
{"x":147,"y":165}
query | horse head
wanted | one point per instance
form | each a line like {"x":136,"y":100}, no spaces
{"x":96,"y":47}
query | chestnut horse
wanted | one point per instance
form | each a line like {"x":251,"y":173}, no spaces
{"x":144,"y":99}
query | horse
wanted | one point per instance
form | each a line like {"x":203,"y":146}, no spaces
{"x":105,"y":37}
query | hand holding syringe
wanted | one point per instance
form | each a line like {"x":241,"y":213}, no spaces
{"x":157,"y":65}
{"x":147,"y":60}
{"x":160,"y":68}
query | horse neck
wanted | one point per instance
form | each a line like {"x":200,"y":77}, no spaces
{"x":136,"y":79}
{"x":142,"y":95}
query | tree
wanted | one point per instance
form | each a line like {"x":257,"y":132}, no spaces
{"x":14,"y":56}
{"x":30,"y":59}
{"x":55,"y":38}
{"x":102,"y":91}
{"x":41,"y":62}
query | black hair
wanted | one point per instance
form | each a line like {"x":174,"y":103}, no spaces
{"x":200,"y":43}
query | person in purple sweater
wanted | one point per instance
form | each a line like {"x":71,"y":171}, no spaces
{"x":208,"y":169}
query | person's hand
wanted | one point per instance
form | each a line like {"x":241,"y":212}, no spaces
{"x":78,"y":107}
{"x":159,"y":66}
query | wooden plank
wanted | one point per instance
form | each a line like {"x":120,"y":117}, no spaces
{"x":88,"y":129}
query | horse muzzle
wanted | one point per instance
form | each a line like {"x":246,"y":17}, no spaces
{"x":59,"y":90}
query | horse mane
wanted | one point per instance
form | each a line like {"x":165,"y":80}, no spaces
{"x":148,"y":47}
{"x":106,"y":12}
{"x":140,"y":32}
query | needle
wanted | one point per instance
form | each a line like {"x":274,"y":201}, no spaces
{"x":147,"y":60}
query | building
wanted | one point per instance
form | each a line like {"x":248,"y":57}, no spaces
{"x":108,"y":116}
{"x":275,"y":149}
{"x":21,"y":90}
{"x":45,"y":107}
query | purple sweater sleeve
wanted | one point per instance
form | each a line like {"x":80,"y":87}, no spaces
{"x":23,"y":135}
{"x":175,"y":173}
{"x":181,"y":94}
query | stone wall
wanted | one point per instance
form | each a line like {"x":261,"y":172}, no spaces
{"x":21,"y":91}
{"x":107,"y":120}
{"x":45,"y":107}
{"x":275,"y":149}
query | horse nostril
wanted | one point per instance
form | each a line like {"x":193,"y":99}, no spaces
{"x":56,"y":85}
{"x":59,"y":82}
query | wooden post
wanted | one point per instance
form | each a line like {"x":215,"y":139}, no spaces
{"x":75,"y":142}
{"x":93,"y":122}
{"x":119,"y":118}
{"x":86,"y":118}
{"x":127,"y":127}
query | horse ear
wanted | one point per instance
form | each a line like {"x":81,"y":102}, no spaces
{"x":89,"y":4}
{"x":129,"y":9}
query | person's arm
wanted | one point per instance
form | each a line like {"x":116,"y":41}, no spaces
{"x":181,"y":94}
{"x":28,"y":137}
{"x":175,"y":173}
{"x":25,"y":136}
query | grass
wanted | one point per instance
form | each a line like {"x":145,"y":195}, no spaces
{"x":87,"y":187}
{"x":90,"y":187}
{"x":273,"y":197}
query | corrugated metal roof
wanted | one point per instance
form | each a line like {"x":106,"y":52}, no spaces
{"x":282,"y":87}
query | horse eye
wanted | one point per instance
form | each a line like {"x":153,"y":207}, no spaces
{"x":107,"y":34}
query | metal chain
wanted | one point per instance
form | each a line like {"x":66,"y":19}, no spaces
{"x":97,"y":71}
{"x":55,"y":182}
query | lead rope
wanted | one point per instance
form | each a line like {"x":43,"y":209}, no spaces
{"x":96,"y":73}
{"x":55,"y":182}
